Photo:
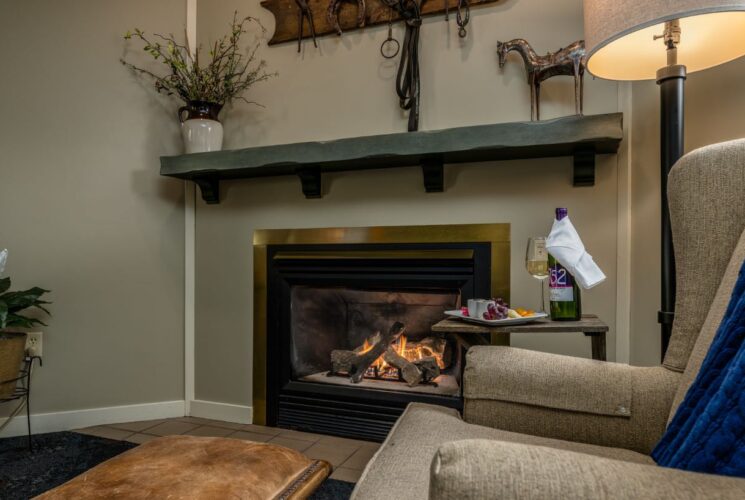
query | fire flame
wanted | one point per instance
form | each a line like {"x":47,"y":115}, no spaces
{"x":366,"y":347}
{"x":411,"y":351}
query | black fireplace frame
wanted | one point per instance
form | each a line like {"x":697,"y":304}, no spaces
{"x":355,"y":411}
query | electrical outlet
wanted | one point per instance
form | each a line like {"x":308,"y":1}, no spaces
{"x":34,"y":343}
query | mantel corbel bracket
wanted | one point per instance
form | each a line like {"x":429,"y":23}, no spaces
{"x":209,"y":185}
{"x":433,"y":171}
{"x":584,"y":166}
{"x":310,"y":178}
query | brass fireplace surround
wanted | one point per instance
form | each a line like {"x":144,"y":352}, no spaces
{"x":496,"y":234}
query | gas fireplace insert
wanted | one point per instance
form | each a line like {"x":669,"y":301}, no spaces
{"x":347,"y":340}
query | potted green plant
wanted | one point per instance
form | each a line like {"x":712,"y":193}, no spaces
{"x":13,"y":341}
{"x":204,"y":88}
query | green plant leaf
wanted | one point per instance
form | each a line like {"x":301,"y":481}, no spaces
{"x":18,"y":321}
{"x":39,"y":305}
{"x":23,"y":298}
{"x":4,"y":285}
{"x":17,"y":301}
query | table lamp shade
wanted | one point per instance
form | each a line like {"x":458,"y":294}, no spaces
{"x":619,"y":35}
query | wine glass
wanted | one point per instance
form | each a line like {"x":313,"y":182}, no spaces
{"x":536,"y":262}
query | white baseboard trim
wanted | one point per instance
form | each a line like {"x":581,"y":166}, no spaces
{"x":78,"y":419}
{"x":221,"y":411}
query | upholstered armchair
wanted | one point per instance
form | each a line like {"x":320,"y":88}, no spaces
{"x":539,"y":425}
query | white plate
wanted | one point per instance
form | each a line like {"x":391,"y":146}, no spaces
{"x":496,"y":322}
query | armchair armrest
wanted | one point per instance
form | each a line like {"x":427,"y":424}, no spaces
{"x":563,"y":397}
{"x":476,"y":469}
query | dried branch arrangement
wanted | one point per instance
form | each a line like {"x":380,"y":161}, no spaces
{"x":226,"y":76}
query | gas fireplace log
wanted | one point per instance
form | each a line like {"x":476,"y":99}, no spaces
{"x":428,"y":367}
{"x":355,"y":363}
{"x":372,"y":340}
{"x":364,"y":360}
{"x":342,"y":361}
{"x":409,"y":371}
{"x":437,"y":345}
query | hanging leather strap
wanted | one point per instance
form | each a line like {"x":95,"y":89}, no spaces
{"x":407,"y":78}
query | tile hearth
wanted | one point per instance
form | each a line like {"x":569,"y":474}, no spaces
{"x":348,"y":456}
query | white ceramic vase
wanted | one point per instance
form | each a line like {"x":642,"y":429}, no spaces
{"x":200,"y":128}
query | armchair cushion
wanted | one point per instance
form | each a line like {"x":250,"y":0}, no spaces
{"x":547,"y":380}
{"x":400,"y":469}
{"x":711,"y":324}
{"x":707,"y":433}
{"x":479,"y":469}
{"x":707,"y":212}
{"x":568,"y":398}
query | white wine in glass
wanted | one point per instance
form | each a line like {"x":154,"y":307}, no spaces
{"x":537,"y":268}
{"x":536,"y":262}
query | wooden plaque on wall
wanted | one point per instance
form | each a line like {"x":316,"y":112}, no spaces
{"x":286,"y":15}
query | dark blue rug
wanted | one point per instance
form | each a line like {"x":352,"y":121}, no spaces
{"x":59,"y":456}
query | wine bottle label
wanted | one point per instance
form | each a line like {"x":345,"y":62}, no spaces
{"x":560,"y":285}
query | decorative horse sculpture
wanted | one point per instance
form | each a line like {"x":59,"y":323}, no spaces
{"x":567,"y":61}
{"x":332,"y":14}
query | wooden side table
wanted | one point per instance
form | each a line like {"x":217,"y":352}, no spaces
{"x":590,"y":325}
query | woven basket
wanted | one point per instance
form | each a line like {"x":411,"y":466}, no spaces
{"x":12,"y":349}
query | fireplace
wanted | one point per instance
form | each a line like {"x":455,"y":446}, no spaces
{"x":343,"y":317}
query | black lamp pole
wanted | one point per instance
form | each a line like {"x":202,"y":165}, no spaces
{"x":671,"y":80}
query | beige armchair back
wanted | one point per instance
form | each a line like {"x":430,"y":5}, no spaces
{"x":706,"y":191}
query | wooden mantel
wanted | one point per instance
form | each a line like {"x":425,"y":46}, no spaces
{"x":581,"y":137}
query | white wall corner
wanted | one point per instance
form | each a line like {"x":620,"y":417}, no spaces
{"x":189,"y":292}
{"x":189,"y":246}
{"x":623,"y":264}
{"x":225,"y":412}
{"x":79,"y":419}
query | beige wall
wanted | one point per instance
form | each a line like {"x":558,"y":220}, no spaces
{"x":317,"y":96}
{"x":84,"y":212}
{"x":82,"y":207}
{"x":714,"y":112}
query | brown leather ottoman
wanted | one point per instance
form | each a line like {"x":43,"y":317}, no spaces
{"x":180,"y":467}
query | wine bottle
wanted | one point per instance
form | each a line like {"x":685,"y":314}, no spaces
{"x":564,"y":296}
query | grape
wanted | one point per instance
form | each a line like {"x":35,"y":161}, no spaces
{"x":498,"y":310}
{"x":500,"y":302}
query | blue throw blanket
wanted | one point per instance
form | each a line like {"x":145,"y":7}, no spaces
{"x":707,"y":434}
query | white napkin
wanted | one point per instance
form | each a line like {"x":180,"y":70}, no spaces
{"x":3,"y":260}
{"x":566,"y":246}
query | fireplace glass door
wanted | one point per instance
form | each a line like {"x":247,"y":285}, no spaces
{"x":374,"y":339}
{"x":349,"y":339}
